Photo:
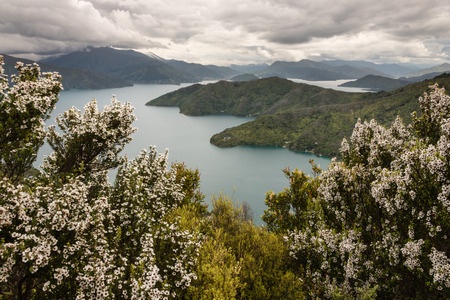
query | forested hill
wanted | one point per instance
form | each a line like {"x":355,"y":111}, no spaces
{"x":249,"y":98}
{"x":297,"y":116}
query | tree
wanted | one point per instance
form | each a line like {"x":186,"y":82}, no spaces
{"x":239,"y":260}
{"x":23,"y":109}
{"x":155,"y":258}
{"x":90,"y":142}
{"x":68,"y":232}
{"x":291,"y":208}
{"x":384,"y":212}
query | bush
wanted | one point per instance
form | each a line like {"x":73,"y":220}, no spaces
{"x":380,"y":222}
{"x":67,"y":232}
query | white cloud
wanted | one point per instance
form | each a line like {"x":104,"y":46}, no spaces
{"x":233,"y":31}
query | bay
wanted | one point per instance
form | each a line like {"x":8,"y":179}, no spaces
{"x":242,"y":173}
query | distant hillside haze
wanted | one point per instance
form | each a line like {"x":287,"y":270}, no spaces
{"x":72,"y":78}
{"x":377,"y":83}
{"x":244,"y":77}
{"x":202,"y":72}
{"x":443,"y":68}
{"x":137,"y":67}
{"x":128,"y":65}
{"x":251,"y":68}
{"x":386,"y":70}
{"x":312,"y":70}
{"x":102,"y":60}
{"x":107,"y":67}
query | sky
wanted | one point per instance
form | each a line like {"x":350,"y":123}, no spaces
{"x":224,"y":32}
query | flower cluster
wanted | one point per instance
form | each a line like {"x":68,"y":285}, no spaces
{"x":150,"y":242}
{"x":385,"y":210}
{"x":91,"y":141}
{"x":23,"y":109}
{"x":69,"y":232}
{"x":440,"y":268}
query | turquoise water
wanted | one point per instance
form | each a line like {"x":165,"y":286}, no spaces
{"x":243,"y":173}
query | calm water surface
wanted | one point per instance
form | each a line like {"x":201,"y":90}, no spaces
{"x":243,"y":173}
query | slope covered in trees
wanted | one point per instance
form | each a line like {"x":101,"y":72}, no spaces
{"x":374,"y":225}
{"x":297,"y":116}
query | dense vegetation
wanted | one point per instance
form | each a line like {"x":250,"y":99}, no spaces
{"x":297,"y":116}
{"x":374,"y":225}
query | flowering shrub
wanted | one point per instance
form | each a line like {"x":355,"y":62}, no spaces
{"x":380,"y":223}
{"x":69,"y":233}
{"x":155,"y":257}
{"x":23,"y":109}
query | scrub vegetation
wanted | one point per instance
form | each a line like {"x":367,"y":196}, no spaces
{"x":374,"y":225}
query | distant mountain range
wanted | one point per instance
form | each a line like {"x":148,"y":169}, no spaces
{"x":127,"y":65}
{"x":106,"y":67}
{"x":443,"y":68}
{"x":387,"y":70}
{"x":312,"y":70}
{"x":73,"y":78}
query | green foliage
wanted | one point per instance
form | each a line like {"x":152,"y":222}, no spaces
{"x":292,"y":207}
{"x":242,"y":260}
{"x":377,"y":223}
{"x":217,"y":271}
{"x":234,"y":98}
{"x":190,"y":183}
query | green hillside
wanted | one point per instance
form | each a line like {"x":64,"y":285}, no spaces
{"x":297,"y":116}
{"x":250,"y":98}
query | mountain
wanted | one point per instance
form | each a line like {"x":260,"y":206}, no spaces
{"x":297,"y":116}
{"x":137,"y":67}
{"x":443,"y":68}
{"x":313,"y":70}
{"x":202,"y":72}
{"x":71,"y":78}
{"x":387,"y":70}
{"x":251,"y":68}
{"x":246,"y":98}
{"x":128,"y":65}
{"x":377,"y":83}
{"x":422,"y":77}
{"x":244,"y":77}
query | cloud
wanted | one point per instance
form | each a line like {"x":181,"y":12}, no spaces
{"x":50,"y":25}
{"x":234,"y":30}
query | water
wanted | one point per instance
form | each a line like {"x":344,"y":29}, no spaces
{"x":333,"y":84}
{"x":243,"y":173}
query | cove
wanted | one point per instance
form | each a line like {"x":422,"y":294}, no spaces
{"x":243,"y":173}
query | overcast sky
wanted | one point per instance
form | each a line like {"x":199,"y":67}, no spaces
{"x":223,"y":32}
